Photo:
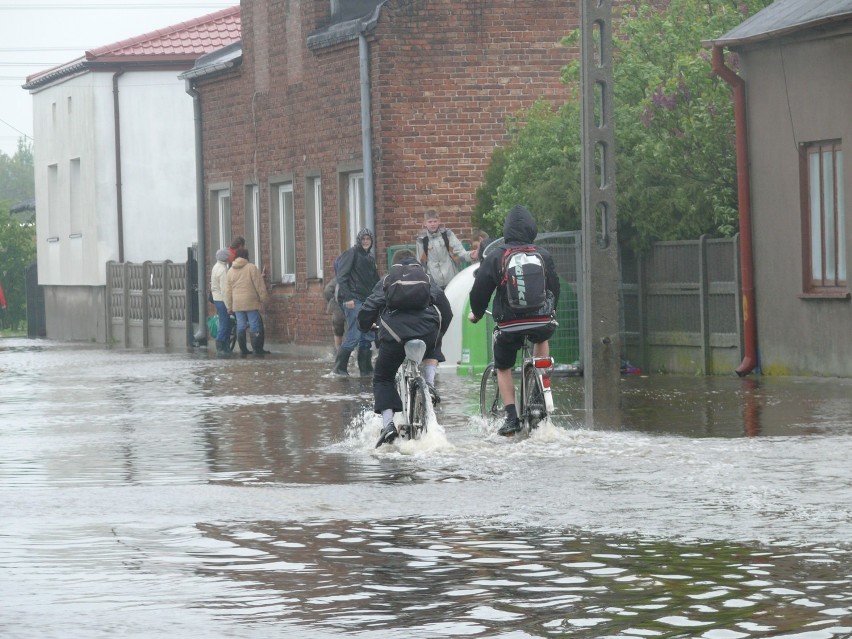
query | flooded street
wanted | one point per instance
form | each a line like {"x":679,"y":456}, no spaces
{"x":170,"y":494}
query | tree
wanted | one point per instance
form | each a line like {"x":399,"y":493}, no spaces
{"x":676,"y":168}
{"x":17,"y":239}
{"x":17,"y":181}
{"x":17,"y":252}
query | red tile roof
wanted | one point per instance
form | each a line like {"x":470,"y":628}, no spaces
{"x":186,"y":40}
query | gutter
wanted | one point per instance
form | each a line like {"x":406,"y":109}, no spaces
{"x":119,"y":200}
{"x":201,"y":259}
{"x":750,"y":359}
{"x":366,"y":135}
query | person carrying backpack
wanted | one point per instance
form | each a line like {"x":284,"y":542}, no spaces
{"x":406,"y":304}
{"x":527,"y":294}
{"x":440,"y":251}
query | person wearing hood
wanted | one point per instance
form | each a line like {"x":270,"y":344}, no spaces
{"x":356,"y":276}
{"x":246,"y":295}
{"x":218,"y":284}
{"x":427,"y":320}
{"x":440,"y":251}
{"x":539,"y":324}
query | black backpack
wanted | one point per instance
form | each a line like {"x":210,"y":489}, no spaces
{"x":425,"y":241}
{"x":524,"y":279}
{"x":407,"y":287}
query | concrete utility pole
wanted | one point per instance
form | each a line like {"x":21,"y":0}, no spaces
{"x":602,"y":344}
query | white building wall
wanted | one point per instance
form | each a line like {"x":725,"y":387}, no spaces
{"x":158,"y":166}
{"x":72,"y":123}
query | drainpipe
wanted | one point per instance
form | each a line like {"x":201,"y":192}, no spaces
{"x":201,"y":261}
{"x":119,"y":206}
{"x":366,"y":134}
{"x":750,"y":360}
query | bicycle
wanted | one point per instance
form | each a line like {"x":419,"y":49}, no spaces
{"x":414,"y":392}
{"x":534,"y":401}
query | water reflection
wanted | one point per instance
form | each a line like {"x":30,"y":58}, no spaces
{"x":433,"y":578}
{"x":152,"y":493}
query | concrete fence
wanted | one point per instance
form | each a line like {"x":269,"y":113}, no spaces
{"x":147,"y":304}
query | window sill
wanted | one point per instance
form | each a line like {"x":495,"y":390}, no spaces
{"x":825,"y":295}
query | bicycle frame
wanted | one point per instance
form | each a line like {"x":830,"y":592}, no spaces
{"x":534,"y":398}
{"x":416,"y":401}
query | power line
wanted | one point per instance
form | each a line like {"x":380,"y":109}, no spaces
{"x":26,"y":135}
{"x":36,"y":49}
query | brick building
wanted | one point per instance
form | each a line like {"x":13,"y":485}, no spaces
{"x":283,"y":131}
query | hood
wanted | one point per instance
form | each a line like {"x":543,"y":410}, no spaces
{"x":365,"y":233}
{"x":519,"y":227}
{"x":240,"y":262}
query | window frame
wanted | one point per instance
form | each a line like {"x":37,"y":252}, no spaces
{"x":252,"y":225}
{"x":828,"y":278}
{"x":313,"y":227}
{"x":283,"y":241}
{"x":221,"y":218}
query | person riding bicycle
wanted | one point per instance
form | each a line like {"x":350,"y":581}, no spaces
{"x":513,"y":321}
{"x":406,"y":304}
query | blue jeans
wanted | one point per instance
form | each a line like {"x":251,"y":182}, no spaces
{"x":355,"y":337}
{"x":224,"y":322}
{"x":252,"y":318}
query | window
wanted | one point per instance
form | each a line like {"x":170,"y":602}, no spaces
{"x":220,"y":206}
{"x":252,"y":232}
{"x":823,"y":218}
{"x":355,"y":206}
{"x":76,"y":207}
{"x":53,"y":203}
{"x":313,"y":226}
{"x":284,"y":235}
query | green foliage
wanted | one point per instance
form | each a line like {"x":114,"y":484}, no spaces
{"x":17,"y":252}
{"x":674,"y":125}
{"x":16,"y":175}
{"x":17,"y":239}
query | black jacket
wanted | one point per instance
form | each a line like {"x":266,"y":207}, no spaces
{"x":406,"y":325}
{"x":356,"y":274}
{"x":519,"y":230}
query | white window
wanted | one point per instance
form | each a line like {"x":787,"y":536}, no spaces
{"x":284,"y":235}
{"x":356,"y":206}
{"x":53,"y":203}
{"x":824,"y":219}
{"x":220,"y":201}
{"x":313,"y":226}
{"x":253,"y":224}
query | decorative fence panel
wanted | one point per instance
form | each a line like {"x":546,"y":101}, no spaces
{"x":147,"y":304}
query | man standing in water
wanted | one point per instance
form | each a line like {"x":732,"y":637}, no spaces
{"x":356,"y":276}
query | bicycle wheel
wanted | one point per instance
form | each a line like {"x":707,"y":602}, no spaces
{"x":490,"y":403}
{"x":419,"y":407}
{"x":534,"y":409}
{"x":232,"y":334}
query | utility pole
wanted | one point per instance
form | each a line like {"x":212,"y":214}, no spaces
{"x":602,"y":344}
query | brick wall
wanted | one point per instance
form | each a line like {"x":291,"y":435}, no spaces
{"x":445,"y":75}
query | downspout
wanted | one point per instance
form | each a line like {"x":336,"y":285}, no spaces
{"x":367,"y":135}
{"x":201,"y":332}
{"x":119,"y":205}
{"x":750,"y":360}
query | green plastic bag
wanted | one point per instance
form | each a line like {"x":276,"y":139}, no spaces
{"x":213,"y":324}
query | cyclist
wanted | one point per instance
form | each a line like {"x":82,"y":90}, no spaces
{"x":425,"y":316}
{"x":538,"y":323}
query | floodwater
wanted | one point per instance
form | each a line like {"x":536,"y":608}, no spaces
{"x":171,"y":494}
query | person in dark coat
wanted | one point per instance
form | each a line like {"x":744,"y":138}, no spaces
{"x":519,"y":229}
{"x":356,"y":276}
{"x":396,"y":327}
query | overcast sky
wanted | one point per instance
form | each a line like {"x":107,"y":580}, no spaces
{"x":38,"y":35}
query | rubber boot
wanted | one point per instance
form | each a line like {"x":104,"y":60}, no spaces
{"x":365,"y":362}
{"x":341,"y":362}
{"x":261,"y":338}
{"x":257,"y":344}
{"x":222,"y":351}
{"x":241,"y":342}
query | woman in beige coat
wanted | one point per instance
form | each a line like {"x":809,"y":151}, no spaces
{"x":245,"y":296}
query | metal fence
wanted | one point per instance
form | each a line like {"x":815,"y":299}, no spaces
{"x":147,"y":304}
